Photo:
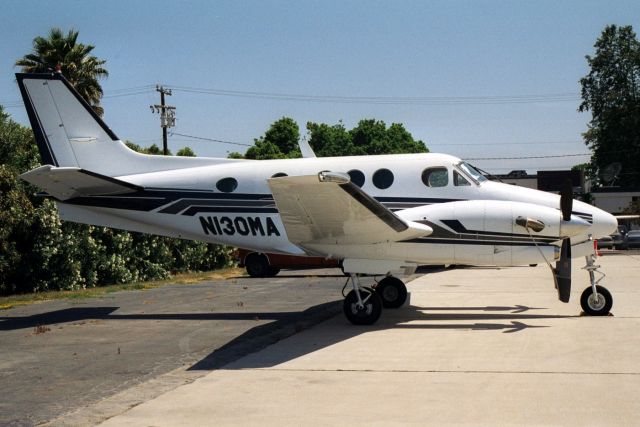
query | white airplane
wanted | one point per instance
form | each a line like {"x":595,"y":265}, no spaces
{"x":382,"y":215}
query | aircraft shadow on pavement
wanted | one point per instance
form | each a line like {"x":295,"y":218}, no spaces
{"x":285,"y":324}
{"x":78,"y":314}
{"x":489,"y":318}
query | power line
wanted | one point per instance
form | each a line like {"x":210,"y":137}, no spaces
{"x":116,"y":93}
{"x":481,"y":144}
{"x":210,"y":139}
{"x":528,"y":157}
{"x":384,"y":100}
{"x":391,"y":100}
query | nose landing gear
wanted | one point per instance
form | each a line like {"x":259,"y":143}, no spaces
{"x":596,"y":300}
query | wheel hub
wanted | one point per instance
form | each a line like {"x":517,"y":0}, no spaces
{"x":596,"y":302}
{"x":366,"y":309}
{"x":389,"y":293}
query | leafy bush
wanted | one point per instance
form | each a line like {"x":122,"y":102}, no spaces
{"x":39,"y":252}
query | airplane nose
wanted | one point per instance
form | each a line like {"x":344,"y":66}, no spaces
{"x":603,"y":224}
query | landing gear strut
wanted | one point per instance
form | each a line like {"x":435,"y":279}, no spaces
{"x":392,"y":292}
{"x":362,"y":306}
{"x":596,"y":300}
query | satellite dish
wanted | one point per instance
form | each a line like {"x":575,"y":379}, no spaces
{"x":609,"y":174}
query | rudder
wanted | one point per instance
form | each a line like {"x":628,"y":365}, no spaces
{"x":67,"y":130}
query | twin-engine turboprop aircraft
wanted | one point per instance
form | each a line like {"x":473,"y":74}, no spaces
{"x":382,"y":215}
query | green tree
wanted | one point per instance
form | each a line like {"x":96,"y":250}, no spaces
{"x":329,"y":141}
{"x":152,"y":149}
{"x":186,"y":152}
{"x":40,"y":252}
{"x":368,"y":137}
{"x":374,"y":137}
{"x":611,"y":92}
{"x":279,"y":141}
{"x":235,"y":155}
{"x":76,"y":63}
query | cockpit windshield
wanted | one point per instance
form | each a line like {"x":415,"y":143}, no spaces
{"x":472,"y":172}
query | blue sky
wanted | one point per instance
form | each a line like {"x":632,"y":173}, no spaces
{"x":400,"y":49}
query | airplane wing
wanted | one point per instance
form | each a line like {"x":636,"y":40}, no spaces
{"x":329,"y":209}
{"x":68,"y":182}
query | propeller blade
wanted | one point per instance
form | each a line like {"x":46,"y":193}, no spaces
{"x":566,"y":200}
{"x":562,"y":272}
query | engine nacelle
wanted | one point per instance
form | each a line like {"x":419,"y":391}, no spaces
{"x":492,"y":232}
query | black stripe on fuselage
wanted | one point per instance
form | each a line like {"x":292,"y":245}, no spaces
{"x":463,"y":232}
{"x":172,"y":201}
{"x":226,"y":209}
{"x":191,"y":203}
{"x":186,"y":202}
{"x":444,"y":235}
{"x":473,"y":242}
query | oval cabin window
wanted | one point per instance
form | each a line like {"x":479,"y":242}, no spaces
{"x":357,"y":177}
{"x":383,"y":178}
{"x":227,"y":185}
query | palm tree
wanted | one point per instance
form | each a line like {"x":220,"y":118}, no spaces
{"x":74,"y":61}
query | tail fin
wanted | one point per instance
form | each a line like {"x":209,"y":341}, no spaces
{"x":70,"y":134}
{"x":64,"y":125}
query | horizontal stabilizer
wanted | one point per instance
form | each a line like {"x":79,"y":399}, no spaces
{"x":65,"y":183}
{"x":329,"y":209}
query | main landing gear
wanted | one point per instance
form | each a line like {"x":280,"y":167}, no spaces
{"x":392,"y":292}
{"x":363,"y":305}
{"x":596,"y":300}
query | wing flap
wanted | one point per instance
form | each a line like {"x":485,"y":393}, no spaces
{"x":329,"y":209}
{"x":65,"y":183}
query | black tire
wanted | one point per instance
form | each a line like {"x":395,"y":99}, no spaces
{"x":392,"y":291}
{"x":371,"y":311}
{"x":273,"y":271}
{"x":593,"y":307}
{"x":257,"y":265}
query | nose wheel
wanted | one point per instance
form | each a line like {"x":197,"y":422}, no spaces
{"x":598,"y":303}
{"x":596,"y":300}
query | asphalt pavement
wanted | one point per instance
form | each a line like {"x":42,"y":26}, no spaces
{"x":58,"y":358}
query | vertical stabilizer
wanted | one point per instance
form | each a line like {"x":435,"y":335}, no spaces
{"x":70,"y":134}
{"x":67,"y":130}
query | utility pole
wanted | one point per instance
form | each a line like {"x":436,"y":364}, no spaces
{"x":167,"y":115}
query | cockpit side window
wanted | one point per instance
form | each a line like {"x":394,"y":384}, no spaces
{"x":472,"y":172}
{"x":459,"y":180}
{"x":435,"y":177}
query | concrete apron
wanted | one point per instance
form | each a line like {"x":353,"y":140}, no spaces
{"x":480,"y":346}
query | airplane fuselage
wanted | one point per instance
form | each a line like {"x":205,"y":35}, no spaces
{"x":231,"y":203}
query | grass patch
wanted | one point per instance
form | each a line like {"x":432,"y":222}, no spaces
{"x":178,"y":279}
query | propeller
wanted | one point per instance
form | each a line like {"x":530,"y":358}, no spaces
{"x":562,"y":272}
